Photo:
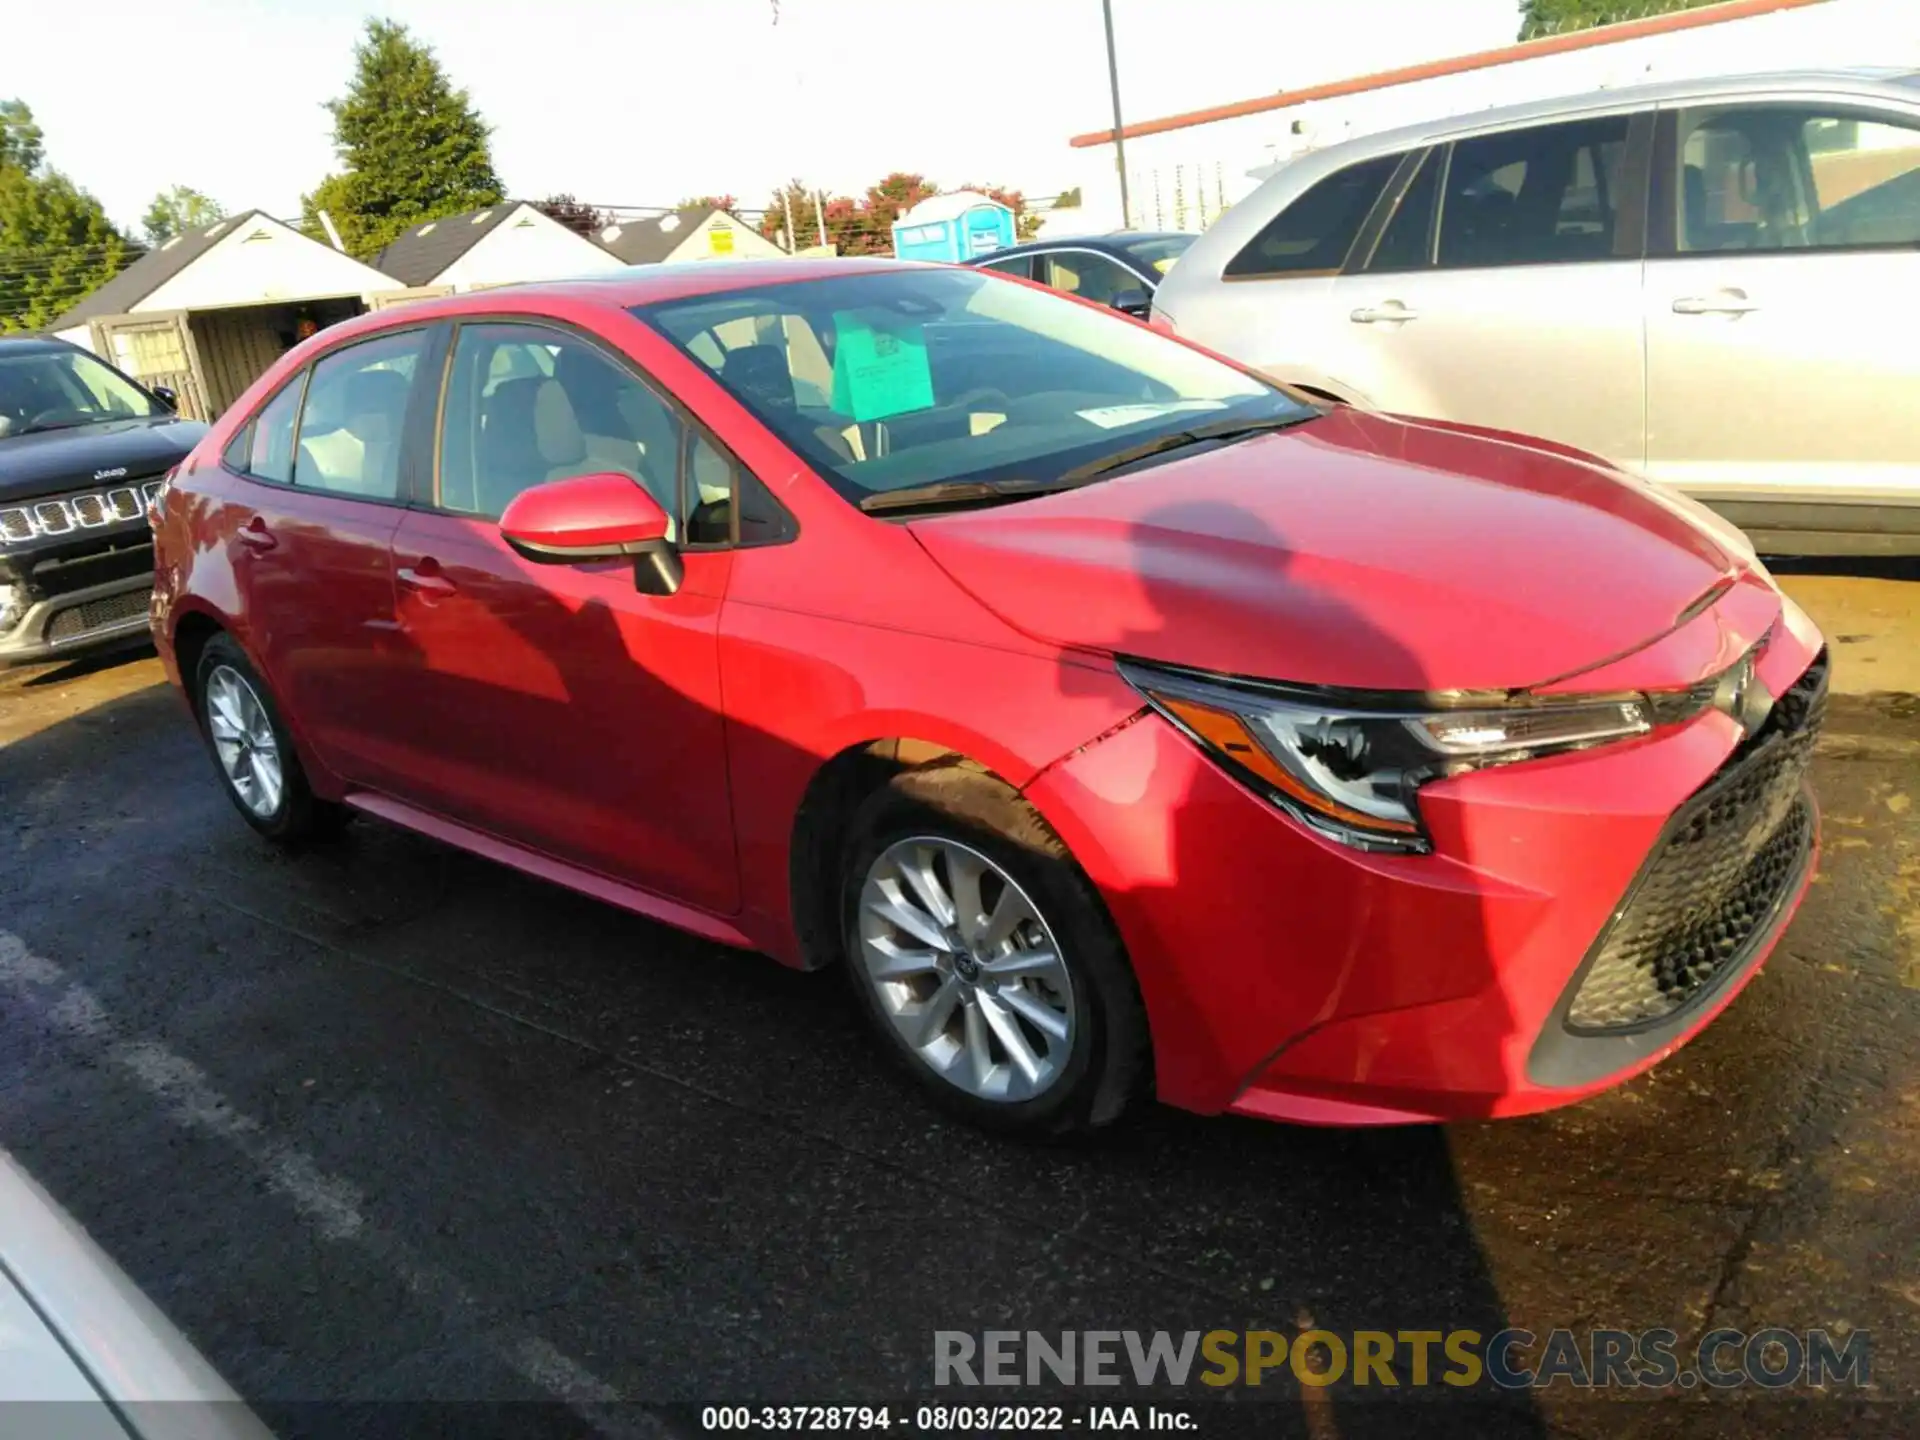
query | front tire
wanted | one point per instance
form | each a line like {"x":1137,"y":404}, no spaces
{"x":985,"y":960}
{"x":253,"y":751}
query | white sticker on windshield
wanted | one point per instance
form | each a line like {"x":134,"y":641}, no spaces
{"x":1109,"y":417}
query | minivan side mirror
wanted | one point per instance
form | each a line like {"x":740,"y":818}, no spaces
{"x":604,"y":516}
{"x":1137,"y":303}
{"x":165,"y":395}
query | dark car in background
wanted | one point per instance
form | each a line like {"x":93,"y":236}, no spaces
{"x":1122,"y":269}
{"x":82,"y":450}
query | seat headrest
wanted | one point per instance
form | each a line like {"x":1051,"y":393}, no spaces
{"x":760,"y":372}
{"x":556,"y":429}
{"x":374,"y":404}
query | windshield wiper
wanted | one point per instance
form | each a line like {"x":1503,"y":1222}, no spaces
{"x":1193,"y":435}
{"x":957,"y":492}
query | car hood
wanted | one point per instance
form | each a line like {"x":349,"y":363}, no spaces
{"x":48,"y":462}
{"x":1356,"y":551}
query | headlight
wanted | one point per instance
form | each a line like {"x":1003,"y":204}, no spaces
{"x":1351,"y":770}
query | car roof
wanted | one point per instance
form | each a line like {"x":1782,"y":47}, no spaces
{"x":34,"y":342}
{"x":1106,"y":240}
{"x":1888,"y":83}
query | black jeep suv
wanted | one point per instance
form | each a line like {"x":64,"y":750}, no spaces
{"x":82,"y":449}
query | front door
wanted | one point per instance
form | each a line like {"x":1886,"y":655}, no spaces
{"x":1782,"y":301}
{"x":554,"y":705}
{"x":1515,"y":304}
{"x":313,"y":528}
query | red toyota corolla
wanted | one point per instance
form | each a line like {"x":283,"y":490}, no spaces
{"x":1125,"y":724}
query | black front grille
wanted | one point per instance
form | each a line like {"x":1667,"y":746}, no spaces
{"x":1708,"y":894}
{"x":97,"y":614}
{"x":116,"y":561}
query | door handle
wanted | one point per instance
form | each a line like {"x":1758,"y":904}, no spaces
{"x":1727,"y":302}
{"x":1389,"y":312}
{"x":424,"y":580}
{"x":255,"y":535}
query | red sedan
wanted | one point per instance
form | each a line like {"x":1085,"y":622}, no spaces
{"x":1122,"y":724}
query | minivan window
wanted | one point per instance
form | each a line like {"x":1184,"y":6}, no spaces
{"x":355,"y":411}
{"x":1407,"y":241}
{"x":1549,"y":194}
{"x":1774,"y":177}
{"x":1315,"y":232}
{"x":892,"y":379}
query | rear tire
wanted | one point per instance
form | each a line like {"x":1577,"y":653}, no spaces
{"x":986,"y":961}
{"x":253,"y":751}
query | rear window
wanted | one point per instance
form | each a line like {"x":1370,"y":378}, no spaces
{"x":1315,"y":232}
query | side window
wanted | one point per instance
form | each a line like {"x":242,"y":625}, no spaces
{"x":1091,"y":277}
{"x":356,"y":409}
{"x":709,"y":493}
{"x":270,"y":453}
{"x":234,"y":457}
{"x":1315,"y":232}
{"x":1407,"y":241}
{"x":552,"y":408}
{"x":1785,"y":177}
{"x":1021,"y":265}
{"x":1541,"y":196}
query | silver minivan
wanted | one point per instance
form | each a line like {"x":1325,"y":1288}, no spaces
{"x":1714,"y":284}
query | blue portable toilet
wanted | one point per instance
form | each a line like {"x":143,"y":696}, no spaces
{"x":953,"y":228}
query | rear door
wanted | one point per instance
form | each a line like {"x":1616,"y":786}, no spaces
{"x":1783,"y":298}
{"x":1499,"y":283}
{"x":310,"y":533}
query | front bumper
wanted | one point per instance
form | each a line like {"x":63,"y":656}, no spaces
{"x":1291,"y":978}
{"x":56,"y":626}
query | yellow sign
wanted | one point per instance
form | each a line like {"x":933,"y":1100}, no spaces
{"x":720,"y":238}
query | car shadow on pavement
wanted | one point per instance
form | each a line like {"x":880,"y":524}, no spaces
{"x":688,"y":1165}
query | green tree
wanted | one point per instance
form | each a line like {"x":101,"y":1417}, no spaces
{"x":56,"y":243}
{"x":1557,"y":17}
{"x":576,"y":215}
{"x":20,"y":138}
{"x":412,"y":148}
{"x":178,"y":210}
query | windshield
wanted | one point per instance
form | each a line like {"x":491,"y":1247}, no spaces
{"x":890,"y":380}
{"x":58,"y":389}
{"x":1159,"y":252}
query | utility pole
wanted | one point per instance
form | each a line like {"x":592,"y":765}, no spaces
{"x":1119,"y":141}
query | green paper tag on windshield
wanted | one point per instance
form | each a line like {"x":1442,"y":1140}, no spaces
{"x":877,"y":373}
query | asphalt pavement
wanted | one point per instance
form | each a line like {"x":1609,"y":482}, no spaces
{"x":407,"y":1142}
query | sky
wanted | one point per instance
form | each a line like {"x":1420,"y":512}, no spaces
{"x":643,"y":102}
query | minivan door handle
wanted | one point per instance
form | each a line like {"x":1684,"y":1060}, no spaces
{"x":255,"y":535}
{"x":1721,"y":302}
{"x":1387,"y":312}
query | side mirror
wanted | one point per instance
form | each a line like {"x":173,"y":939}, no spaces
{"x":165,"y":395}
{"x":606,"y":516}
{"x":1137,"y":303}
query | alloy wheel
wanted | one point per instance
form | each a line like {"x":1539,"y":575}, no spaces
{"x":244,"y":741}
{"x":966,"y":969}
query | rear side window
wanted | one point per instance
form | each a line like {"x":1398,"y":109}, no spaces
{"x":270,"y":454}
{"x":1546,"y":195}
{"x":1021,"y":265}
{"x":1315,"y":232}
{"x":355,"y":412}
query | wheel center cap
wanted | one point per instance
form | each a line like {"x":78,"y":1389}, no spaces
{"x":966,"y":967}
